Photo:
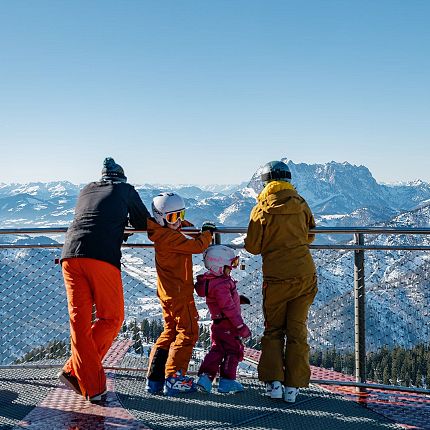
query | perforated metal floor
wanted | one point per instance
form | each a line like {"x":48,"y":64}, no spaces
{"x":21,"y":391}
{"x":130,"y":407}
{"x":315,"y":409}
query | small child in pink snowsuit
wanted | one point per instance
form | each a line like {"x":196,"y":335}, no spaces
{"x":227,"y":327}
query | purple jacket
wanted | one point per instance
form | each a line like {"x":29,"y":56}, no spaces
{"x":221,"y":297}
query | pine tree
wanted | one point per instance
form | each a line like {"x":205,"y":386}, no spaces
{"x":337,"y":362}
{"x":137,"y":342}
{"x":145,"y":329}
{"x":153,"y":330}
{"x":350,"y":363}
{"x":386,"y":376}
{"x":327,"y":359}
{"x":395,"y":366}
{"x":319,"y":358}
{"x":428,"y":373}
{"x":418,"y":381}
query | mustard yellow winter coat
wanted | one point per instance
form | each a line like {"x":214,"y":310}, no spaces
{"x":279,"y":230}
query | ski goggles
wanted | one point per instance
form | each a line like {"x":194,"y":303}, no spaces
{"x":173,"y":217}
{"x":235,"y":262}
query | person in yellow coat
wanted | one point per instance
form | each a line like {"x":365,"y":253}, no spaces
{"x":171,"y":353}
{"x":279,"y":230}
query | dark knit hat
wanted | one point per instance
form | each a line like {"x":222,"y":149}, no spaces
{"x":113,"y":171}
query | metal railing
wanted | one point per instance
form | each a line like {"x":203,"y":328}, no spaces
{"x":347,"y":319}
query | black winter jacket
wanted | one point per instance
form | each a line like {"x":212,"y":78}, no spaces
{"x":101,"y":214}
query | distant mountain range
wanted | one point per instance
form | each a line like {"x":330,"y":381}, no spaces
{"x":340,"y":194}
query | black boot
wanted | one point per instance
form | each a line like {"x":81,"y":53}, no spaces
{"x":156,"y":371}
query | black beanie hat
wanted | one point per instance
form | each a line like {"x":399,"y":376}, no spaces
{"x":111,"y":170}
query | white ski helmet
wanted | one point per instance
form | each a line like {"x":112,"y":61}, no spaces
{"x":218,"y":256}
{"x":168,"y":205}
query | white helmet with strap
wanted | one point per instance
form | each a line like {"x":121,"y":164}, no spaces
{"x":168,"y":207}
{"x":216,"y":257}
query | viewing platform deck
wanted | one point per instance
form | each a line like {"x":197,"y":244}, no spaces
{"x":370,"y":319}
{"x":35,"y":399}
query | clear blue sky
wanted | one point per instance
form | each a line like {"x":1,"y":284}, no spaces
{"x":206,"y":91}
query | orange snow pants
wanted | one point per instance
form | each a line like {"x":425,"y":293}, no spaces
{"x":180,"y":333}
{"x":89,"y":281}
{"x":284,"y":345}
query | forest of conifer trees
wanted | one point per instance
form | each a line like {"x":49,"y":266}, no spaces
{"x":389,"y":366}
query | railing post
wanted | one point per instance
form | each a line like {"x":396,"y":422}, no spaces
{"x":359,"y":313}
{"x":217,"y":238}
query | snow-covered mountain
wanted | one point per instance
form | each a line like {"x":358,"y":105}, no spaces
{"x":37,"y":204}
{"x":343,"y":194}
{"x":340,"y":194}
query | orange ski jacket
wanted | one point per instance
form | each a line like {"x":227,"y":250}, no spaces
{"x":173,"y":259}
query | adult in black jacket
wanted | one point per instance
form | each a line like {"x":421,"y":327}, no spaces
{"x":92,"y":275}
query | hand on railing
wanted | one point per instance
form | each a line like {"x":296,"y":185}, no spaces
{"x":208,"y":226}
{"x":126,"y":236}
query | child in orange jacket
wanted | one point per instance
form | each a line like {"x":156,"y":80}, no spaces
{"x":171,"y":353}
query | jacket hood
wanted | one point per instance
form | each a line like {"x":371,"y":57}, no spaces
{"x":200,"y":285}
{"x":155,"y":230}
{"x":280,"y":197}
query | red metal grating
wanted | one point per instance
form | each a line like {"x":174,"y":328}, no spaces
{"x":411,"y":411}
{"x":64,"y":409}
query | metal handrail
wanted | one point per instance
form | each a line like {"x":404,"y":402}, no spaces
{"x":333,"y":247}
{"x":243,"y":230}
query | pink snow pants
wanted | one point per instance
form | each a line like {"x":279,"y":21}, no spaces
{"x":226,"y":351}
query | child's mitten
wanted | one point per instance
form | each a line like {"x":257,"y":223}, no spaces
{"x":244,"y":331}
